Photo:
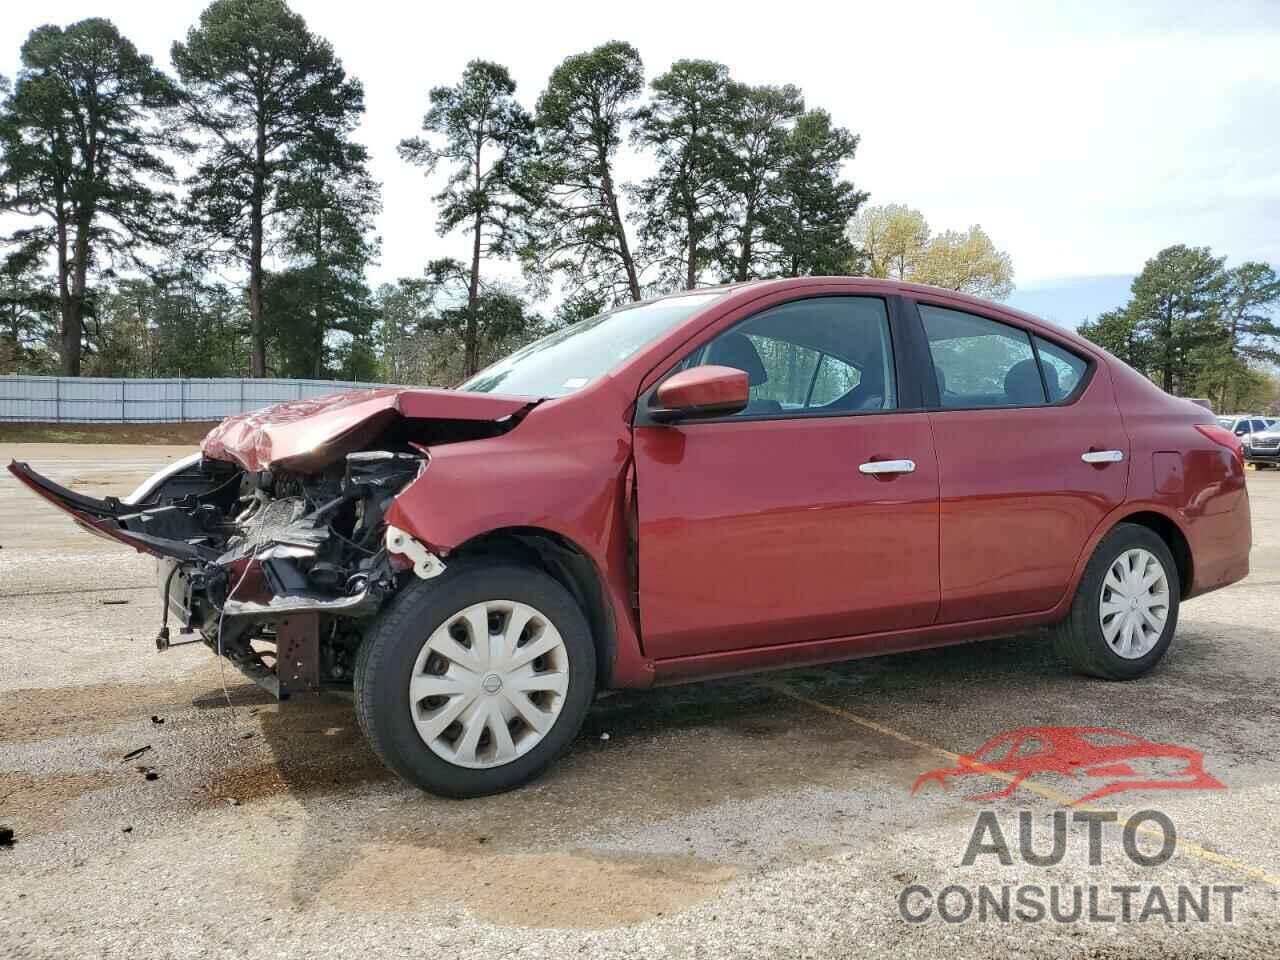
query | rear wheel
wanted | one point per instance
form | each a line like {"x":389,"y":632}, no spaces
{"x":474,"y":682}
{"x":1126,"y":607}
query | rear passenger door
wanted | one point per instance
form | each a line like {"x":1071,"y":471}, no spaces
{"x":1032,"y":454}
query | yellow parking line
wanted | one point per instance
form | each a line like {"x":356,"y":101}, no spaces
{"x":1186,"y":846}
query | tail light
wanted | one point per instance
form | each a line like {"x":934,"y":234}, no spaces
{"x":1223,"y":438}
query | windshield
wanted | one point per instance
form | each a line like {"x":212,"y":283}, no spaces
{"x":569,"y":359}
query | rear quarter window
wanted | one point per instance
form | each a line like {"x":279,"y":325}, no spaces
{"x":1063,"y":370}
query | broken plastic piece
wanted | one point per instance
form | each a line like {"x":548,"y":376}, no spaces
{"x":425,"y":563}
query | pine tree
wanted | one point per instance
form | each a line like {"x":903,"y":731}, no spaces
{"x":82,"y":157}
{"x":682,"y":206}
{"x":266,"y":94}
{"x":578,"y":228}
{"x":479,"y":129}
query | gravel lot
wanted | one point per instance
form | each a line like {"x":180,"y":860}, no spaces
{"x":768,"y":817}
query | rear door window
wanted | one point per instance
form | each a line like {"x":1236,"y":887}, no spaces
{"x":979,"y":362}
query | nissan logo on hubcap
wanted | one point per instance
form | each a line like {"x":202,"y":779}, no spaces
{"x":491,"y":684}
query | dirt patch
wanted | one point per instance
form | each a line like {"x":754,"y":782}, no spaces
{"x":303,"y":768}
{"x":28,"y":715}
{"x":40,"y":803}
{"x":105,"y":432}
{"x":574,"y":889}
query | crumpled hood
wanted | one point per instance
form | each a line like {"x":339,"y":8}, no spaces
{"x":310,"y":434}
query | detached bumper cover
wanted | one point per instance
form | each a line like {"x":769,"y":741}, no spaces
{"x":108,"y":518}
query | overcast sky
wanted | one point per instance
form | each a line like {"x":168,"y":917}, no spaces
{"x":1082,"y":136}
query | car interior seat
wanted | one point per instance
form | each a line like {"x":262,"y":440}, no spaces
{"x":736,"y":350}
{"x":1022,"y":384}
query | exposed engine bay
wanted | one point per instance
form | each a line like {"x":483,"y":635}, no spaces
{"x":278,"y":562}
{"x":244,"y":554}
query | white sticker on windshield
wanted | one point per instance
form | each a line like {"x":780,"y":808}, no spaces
{"x":573,"y":383}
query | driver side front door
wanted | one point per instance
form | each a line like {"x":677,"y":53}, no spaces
{"x":776,"y":525}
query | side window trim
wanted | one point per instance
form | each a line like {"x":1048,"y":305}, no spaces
{"x":924,"y":374}
{"x":904,"y":371}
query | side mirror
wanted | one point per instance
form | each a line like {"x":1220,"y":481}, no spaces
{"x":709,"y":391}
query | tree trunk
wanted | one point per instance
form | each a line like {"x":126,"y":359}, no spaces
{"x":73,"y":321}
{"x":471,"y":338}
{"x":257,"y":337}
{"x":744,"y":242}
{"x":620,"y":231}
{"x":691,"y":276}
{"x":70,"y":316}
{"x":317,"y":362}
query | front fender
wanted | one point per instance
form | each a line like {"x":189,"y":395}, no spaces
{"x":545,"y":475}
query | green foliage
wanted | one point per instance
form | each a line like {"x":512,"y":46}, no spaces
{"x":1197,"y":328}
{"x":1117,"y":332}
{"x":682,"y":205}
{"x":270,"y":99}
{"x":968,"y":262}
{"x":81,"y":160}
{"x":896,"y":242}
{"x":28,"y":313}
{"x":576,"y":227}
{"x":480,"y":130}
{"x":175,"y":325}
{"x":1177,"y":309}
{"x":321,"y":315}
{"x":424,"y":324}
{"x":807,"y":225}
{"x":757,"y":147}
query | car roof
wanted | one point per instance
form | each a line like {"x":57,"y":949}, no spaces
{"x":918,"y":291}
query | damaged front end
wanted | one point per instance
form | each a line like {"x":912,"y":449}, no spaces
{"x":277,"y":561}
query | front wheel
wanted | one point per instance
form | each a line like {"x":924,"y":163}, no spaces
{"x":1126,"y":607}
{"x":476,"y":681}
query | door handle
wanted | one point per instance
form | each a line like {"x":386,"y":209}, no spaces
{"x":887,"y":466}
{"x":1102,"y":456}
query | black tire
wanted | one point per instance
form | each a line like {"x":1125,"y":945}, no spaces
{"x":1079,"y":638}
{"x":391,"y":647}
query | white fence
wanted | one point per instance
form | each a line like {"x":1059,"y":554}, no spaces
{"x":111,"y":400}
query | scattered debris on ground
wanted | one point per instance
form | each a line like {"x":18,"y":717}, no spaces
{"x":132,"y":754}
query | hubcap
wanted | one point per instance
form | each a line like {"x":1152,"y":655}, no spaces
{"x":489,"y":683}
{"x":1135,"y":603}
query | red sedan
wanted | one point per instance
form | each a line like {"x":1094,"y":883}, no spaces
{"x":721,"y":481}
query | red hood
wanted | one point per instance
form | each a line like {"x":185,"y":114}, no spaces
{"x":309,"y":434}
